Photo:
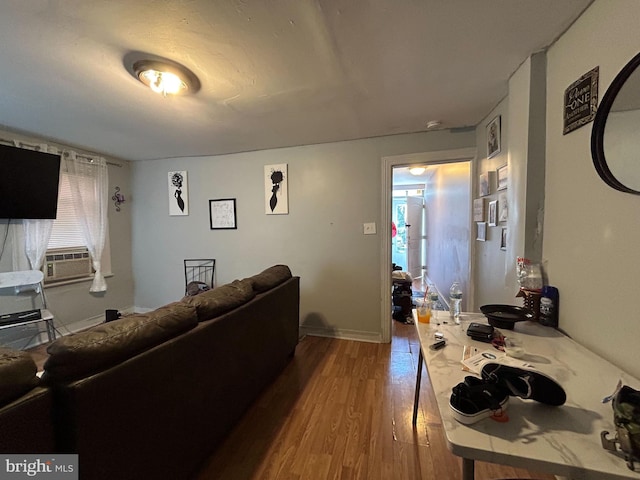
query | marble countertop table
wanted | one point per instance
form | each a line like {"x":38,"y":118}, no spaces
{"x":561,"y":440}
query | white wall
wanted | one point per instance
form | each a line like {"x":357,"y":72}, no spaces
{"x":523,"y":130}
{"x":492,"y":283}
{"x":333,"y":189}
{"x":592,"y":232}
{"x":447,"y":199}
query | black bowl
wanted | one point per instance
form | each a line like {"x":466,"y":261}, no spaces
{"x":505,"y":316}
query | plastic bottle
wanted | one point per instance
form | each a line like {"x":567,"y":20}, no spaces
{"x":549,"y":306}
{"x":433,"y":296}
{"x":455,"y":299}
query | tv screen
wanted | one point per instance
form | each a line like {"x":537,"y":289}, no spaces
{"x":28,"y":183}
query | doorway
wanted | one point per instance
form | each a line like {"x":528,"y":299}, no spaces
{"x":443,"y":242}
{"x":408,"y":234}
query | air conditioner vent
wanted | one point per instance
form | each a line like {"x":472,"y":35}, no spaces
{"x":66,"y":264}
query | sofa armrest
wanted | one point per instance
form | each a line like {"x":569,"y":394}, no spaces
{"x":17,"y":374}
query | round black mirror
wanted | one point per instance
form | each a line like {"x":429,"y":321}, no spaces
{"x":615,"y":137}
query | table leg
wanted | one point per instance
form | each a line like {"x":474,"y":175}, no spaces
{"x":468,"y":468}
{"x":417,"y":394}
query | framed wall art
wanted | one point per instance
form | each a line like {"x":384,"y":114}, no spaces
{"x":478,"y":210}
{"x":276,"y":189}
{"x":493,"y":213}
{"x":481,"y":231}
{"x":483,"y":185}
{"x":503,"y":207}
{"x":503,"y":177}
{"x":503,"y":239}
{"x":493,"y":137}
{"x":222,"y":214}
{"x":581,"y":101}
{"x":178,"y":193}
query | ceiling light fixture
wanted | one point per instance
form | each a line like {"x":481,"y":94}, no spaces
{"x":417,"y":170}
{"x":433,"y":124}
{"x":163,"y":76}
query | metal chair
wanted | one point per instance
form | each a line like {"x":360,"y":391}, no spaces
{"x":199,"y":270}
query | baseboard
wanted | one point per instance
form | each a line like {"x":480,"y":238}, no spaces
{"x":342,"y":334}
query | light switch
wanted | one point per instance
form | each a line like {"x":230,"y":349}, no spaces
{"x":369,"y":228}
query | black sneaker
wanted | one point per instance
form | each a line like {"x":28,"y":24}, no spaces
{"x":525,"y":383}
{"x":475,"y":399}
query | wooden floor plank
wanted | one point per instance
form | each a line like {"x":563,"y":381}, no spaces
{"x":343,"y":410}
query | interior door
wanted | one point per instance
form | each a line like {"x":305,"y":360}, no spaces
{"x":415,"y":235}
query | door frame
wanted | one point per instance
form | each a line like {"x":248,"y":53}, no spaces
{"x":387,"y":164}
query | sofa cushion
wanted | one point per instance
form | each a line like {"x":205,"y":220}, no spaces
{"x":111,"y":343}
{"x":213,"y":303}
{"x":17,"y":374}
{"x":271,"y":277}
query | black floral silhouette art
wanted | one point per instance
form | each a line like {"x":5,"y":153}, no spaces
{"x":176,"y":180}
{"x":276,"y":179}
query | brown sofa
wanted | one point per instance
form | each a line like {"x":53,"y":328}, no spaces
{"x":151,"y":395}
{"x":25,"y":408}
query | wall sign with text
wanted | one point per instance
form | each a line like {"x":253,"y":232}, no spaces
{"x":581,"y":101}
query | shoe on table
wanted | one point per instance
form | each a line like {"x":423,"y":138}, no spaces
{"x":475,"y":399}
{"x":525,"y":383}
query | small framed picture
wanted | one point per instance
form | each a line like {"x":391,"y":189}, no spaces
{"x":581,"y":101}
{"x":482,"y":231}
{"x":483,"y":186}
{"x":493,"y":137}
{"x":503,"y":207}
{"x":503,"y":177}
{"x":503,"y":239}
{"x":493,"y":213}
{"x":222,"y":214}
{"x":478,"y":210}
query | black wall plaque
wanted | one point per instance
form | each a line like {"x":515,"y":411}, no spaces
{"x":581,"y":101}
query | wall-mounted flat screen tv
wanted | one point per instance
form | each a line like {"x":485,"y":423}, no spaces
{"x":28,"y":183}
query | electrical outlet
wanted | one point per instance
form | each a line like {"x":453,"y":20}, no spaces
{"x":369,"y":228}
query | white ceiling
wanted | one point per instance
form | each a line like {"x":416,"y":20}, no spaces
{"x":403,"y":176}
{"x":273,"y":73}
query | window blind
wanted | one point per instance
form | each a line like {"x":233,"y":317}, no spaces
{"x":66,"y":232}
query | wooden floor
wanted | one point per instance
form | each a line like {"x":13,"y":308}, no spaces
{"x":342,"y":410}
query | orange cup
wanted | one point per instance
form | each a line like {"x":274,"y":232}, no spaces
{"x":424,"y":314}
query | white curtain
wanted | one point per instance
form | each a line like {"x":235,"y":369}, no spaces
{"x":20,"y":260}
{"x":91,"y":203}
{"x":36,"y":239}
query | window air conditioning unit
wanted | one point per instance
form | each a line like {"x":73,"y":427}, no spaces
{"x":66,"y":264}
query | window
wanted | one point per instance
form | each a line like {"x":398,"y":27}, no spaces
{"x":66,"y":232}
{"x":67,"y":256}
{"x":84,"y":178}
